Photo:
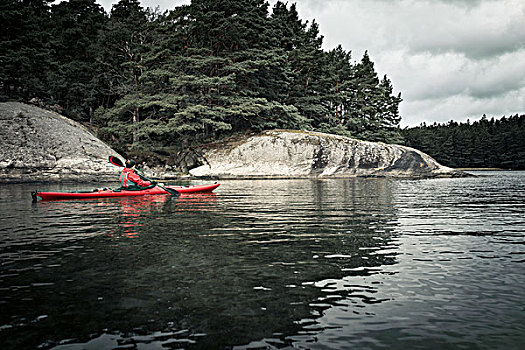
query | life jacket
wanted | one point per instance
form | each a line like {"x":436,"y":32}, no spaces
{"x":128,"y":178}
{"x":124,"y":177}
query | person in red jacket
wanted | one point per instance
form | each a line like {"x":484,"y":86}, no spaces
{"x":130,"y":180}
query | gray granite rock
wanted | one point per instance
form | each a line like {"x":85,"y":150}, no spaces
{"x":41,"y":145}
{"x":298,"y":154}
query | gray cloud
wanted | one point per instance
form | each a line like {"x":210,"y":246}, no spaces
{"x":486,"y":30}
{"x":451,"y":59}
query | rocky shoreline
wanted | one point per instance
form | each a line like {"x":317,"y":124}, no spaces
{"x":39,"y":145}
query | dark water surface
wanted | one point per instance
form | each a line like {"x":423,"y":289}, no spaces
{"x":333,"y":264}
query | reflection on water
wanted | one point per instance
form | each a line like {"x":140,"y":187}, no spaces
{"x":135,"y":212}
{"x":269,"y":264}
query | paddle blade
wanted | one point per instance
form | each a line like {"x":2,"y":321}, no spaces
{"x":115,"y":161}
{"x":171,"y":191}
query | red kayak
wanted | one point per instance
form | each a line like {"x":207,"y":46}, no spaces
{"x":104,"y":193}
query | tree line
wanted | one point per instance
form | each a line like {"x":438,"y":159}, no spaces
{"x":156,"y":81}
{"x":482,"y":144}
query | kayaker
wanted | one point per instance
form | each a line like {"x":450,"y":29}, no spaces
{"x":131,"y":180}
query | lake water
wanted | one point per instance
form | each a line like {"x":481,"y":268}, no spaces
{"x":330,"y":264}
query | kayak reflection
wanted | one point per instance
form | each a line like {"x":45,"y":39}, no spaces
{"x":136,"y":212}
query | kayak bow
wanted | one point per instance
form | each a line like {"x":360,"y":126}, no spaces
{"x":105,"y":193}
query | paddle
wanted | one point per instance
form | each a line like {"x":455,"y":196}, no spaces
{"x":116,"y":161}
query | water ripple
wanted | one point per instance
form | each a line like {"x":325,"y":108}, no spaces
{"x":269,"y":264}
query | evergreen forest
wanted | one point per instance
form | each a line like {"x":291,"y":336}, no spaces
{"x":482,"y":144}
{"x":155,"y":82}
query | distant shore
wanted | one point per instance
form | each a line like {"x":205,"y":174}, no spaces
{"x":482,"y":169}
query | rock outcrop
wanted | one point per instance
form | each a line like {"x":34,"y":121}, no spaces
{"x":298,"y":154}
{"x":41,"y":145}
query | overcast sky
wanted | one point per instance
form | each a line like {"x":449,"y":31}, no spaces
{"x":450,"y":59}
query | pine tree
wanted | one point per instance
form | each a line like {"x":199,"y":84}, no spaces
{"x":374,"y":111}
{"x":339,"y":85}
{"x":363,"y":121}
{"x":389,"y":130}
{"x":124,"y":43}
{"x":74,"y":81}
{"x":25,"y":51}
